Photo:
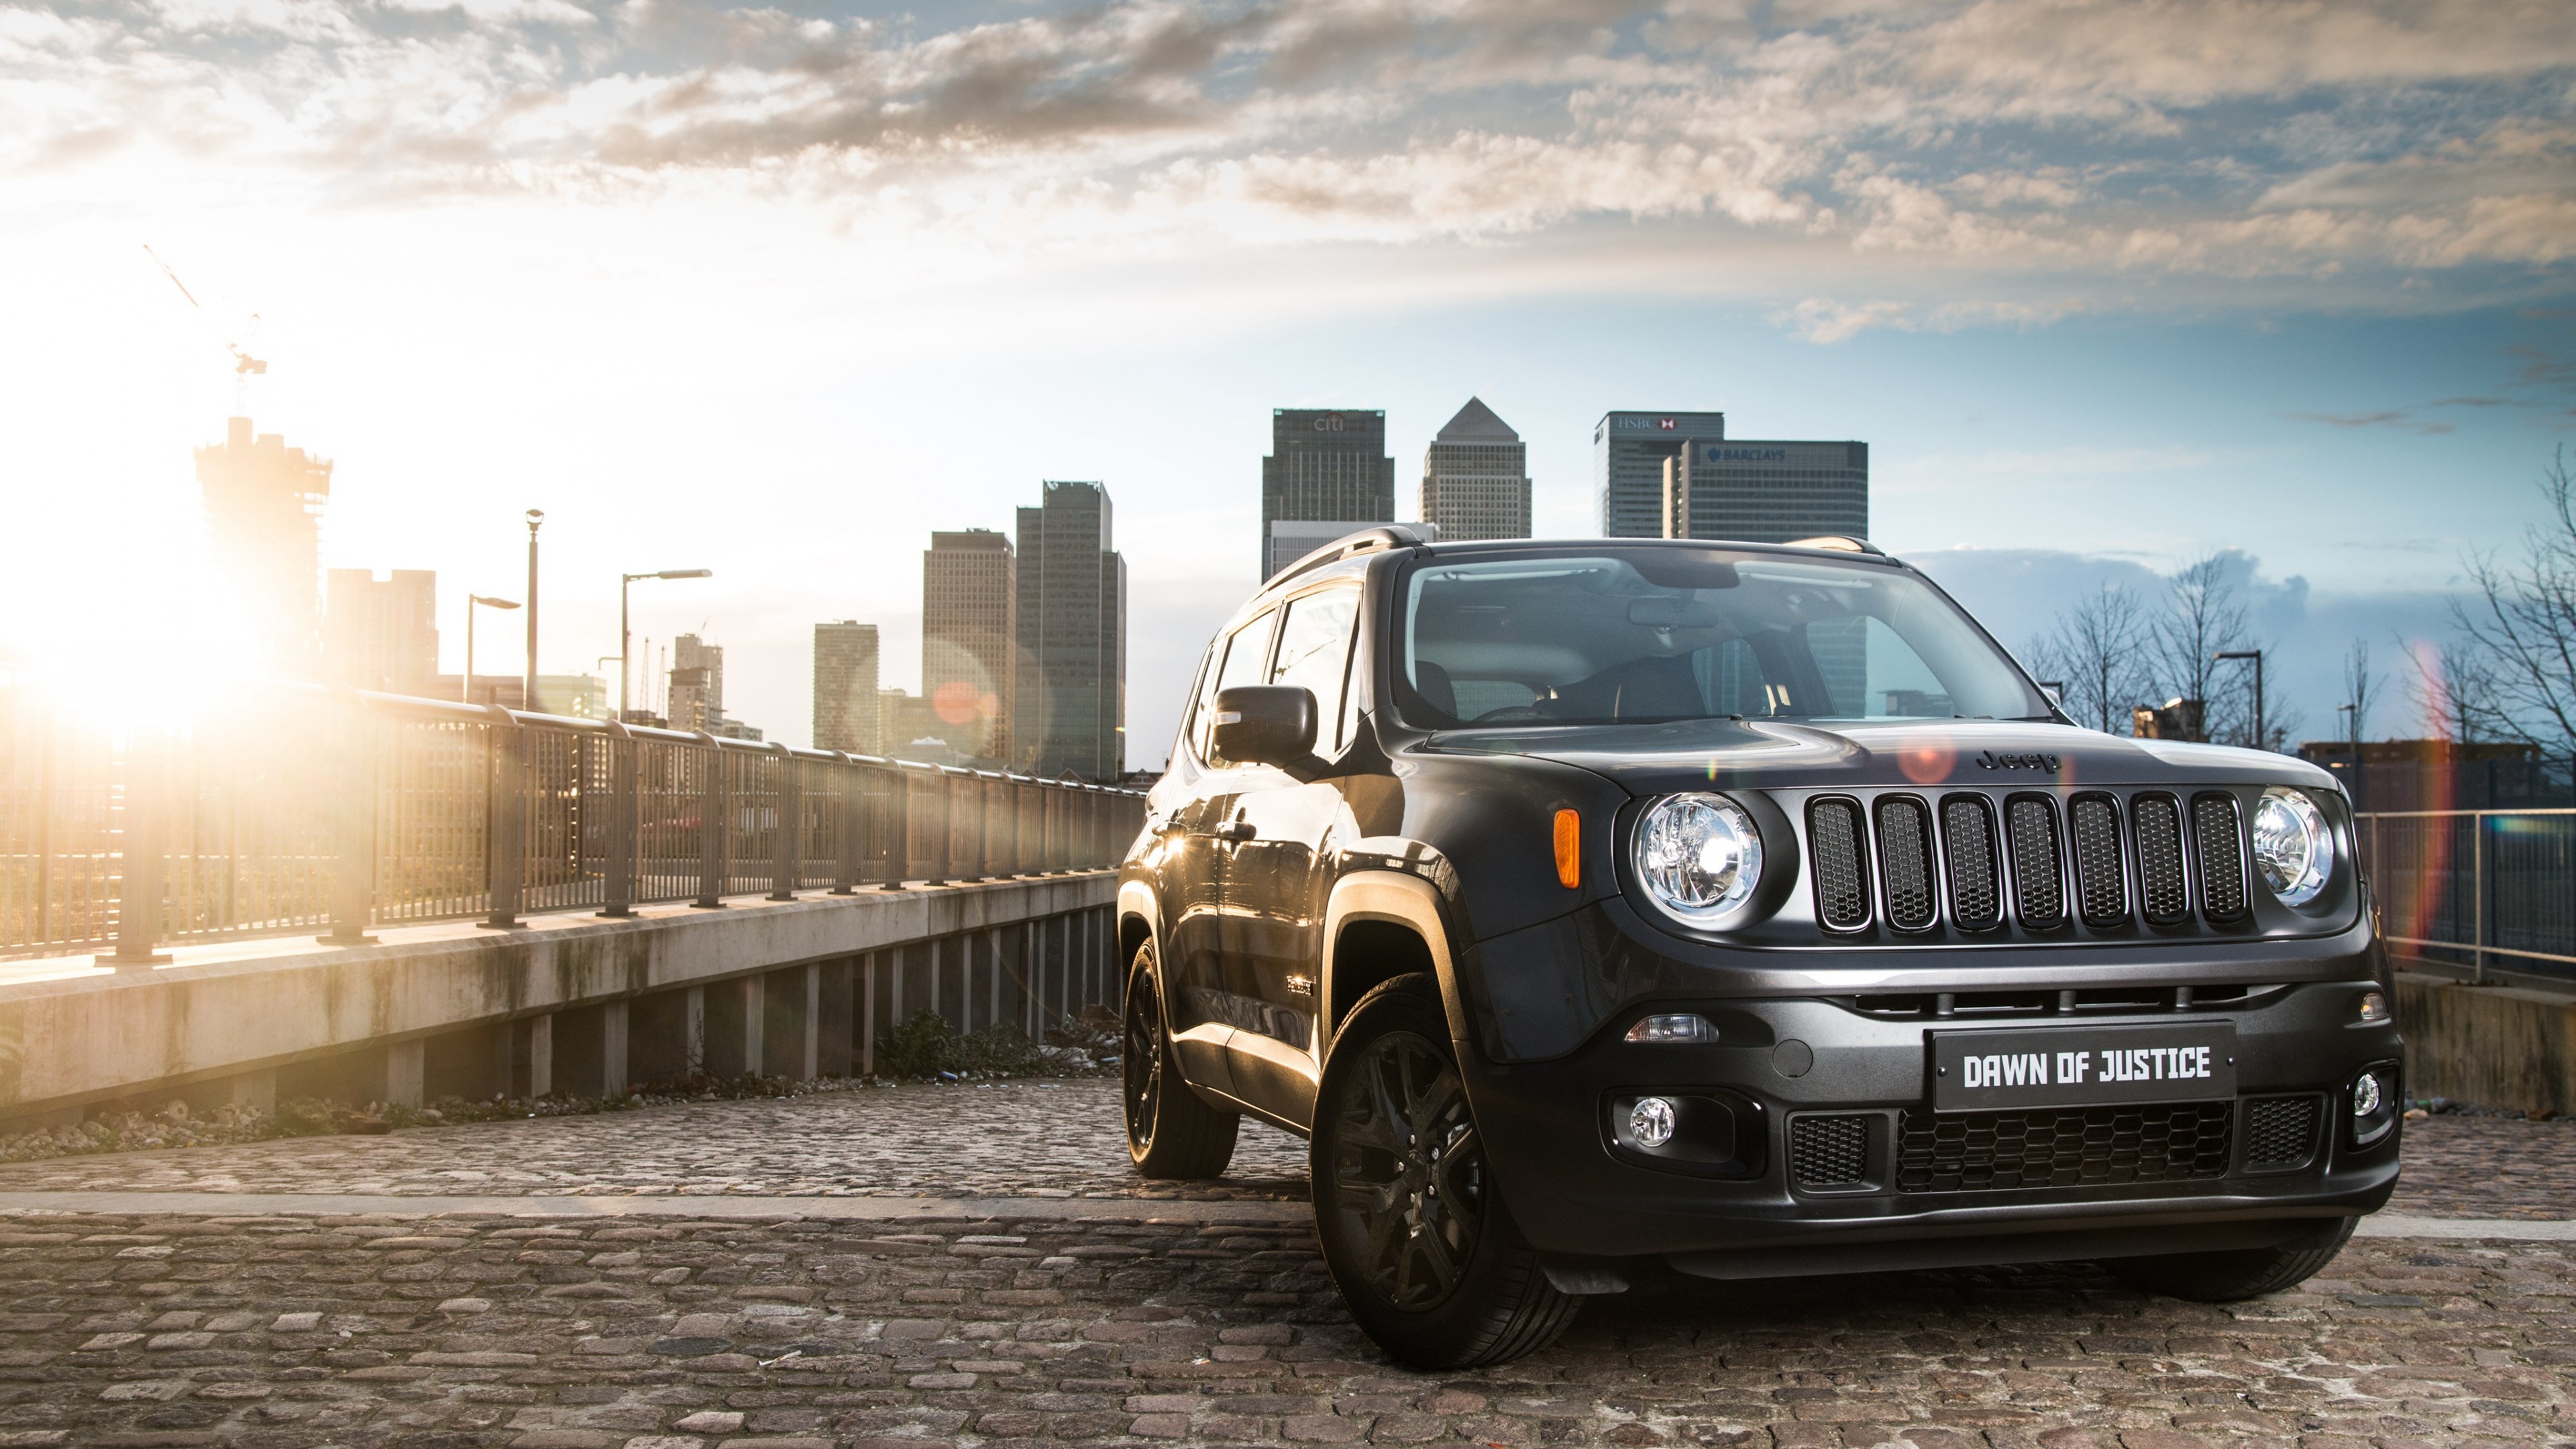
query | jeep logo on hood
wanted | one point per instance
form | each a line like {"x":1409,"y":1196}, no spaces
{"x":1989,"y":760}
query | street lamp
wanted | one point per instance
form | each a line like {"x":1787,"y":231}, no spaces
{"x":467,"y":693}
{"x":2260,"y":739}
{"x":625,"y":641}
{"x":528,"y":694}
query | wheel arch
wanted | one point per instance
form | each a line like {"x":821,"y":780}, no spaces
{"x":1380,"y":924}
{"x":1140,"y":919}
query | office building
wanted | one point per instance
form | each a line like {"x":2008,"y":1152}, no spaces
{"x":1291,"y":540}
{"x":1475,"y":478}
{"x":845,"y":687}
{"x":1325,"y":463}
{"x":263,"y":504}
{"x":968,"y":586}
{"x":1069,"y":695}
{"x":381,"y":634}
{"x":1677,"y":475}
{"x":697,"y":690}
{"x":571,"y":696}
{"x":913,"y":731}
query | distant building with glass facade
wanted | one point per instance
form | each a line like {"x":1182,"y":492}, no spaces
{"x":1325,"y":463}
{"x":1475,"y":477}
{"x":1069,"y":700}
{"x":1677,"y":475}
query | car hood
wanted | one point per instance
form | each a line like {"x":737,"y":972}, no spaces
{"x":1650,"y":759}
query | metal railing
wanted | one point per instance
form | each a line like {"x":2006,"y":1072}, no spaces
{"x":381,"y":810}
{"x":2463,"y":886}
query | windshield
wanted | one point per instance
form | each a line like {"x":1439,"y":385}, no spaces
{"x":1639,"y":635}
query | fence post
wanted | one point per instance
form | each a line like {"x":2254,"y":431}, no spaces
{"x":505,"y":830}
{"x":898,"y":826}
{"x":711,"y":826}
{"x":787,"y":853}
{"x":353,"y":823}
{"x":845,"y":833}
{"x":940,"y":863}
{"x":2478,"y":898}
{"x":139,"y":884}
{"x":624,"y":810}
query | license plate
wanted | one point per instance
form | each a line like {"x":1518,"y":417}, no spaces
{"x":2083,"y":1066}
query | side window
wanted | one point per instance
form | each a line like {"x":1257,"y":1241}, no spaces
{"x":1246,"y":650}
{"x":1314,"y":650}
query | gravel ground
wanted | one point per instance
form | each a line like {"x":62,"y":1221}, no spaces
{"x":1010,"y":1139}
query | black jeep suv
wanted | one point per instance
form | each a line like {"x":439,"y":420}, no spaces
{"x":1741,"y":908}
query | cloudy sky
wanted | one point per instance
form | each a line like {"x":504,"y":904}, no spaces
{"x":776,"y":289}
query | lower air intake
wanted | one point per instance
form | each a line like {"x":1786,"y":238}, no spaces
{"x":2280,"y":1132}
{"x":2070,"y":1147}
{"x":1829,"y":1151}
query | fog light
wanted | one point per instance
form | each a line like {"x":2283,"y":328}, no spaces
{"x":1677,"y":1027}
{"x":1651,"y":1121}
{"x":2365,"y":1095}
{"x":2374,"y":1006}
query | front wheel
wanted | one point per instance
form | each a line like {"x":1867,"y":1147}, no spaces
{"x":2233,"y":1276}
{"x":1170,"y":1132}
{"x":1414,"y":1231}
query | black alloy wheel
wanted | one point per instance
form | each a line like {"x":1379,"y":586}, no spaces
{"x":1414,"y":1227}
{"x":1407,"y":1166}
{"x":1171,"y":1133}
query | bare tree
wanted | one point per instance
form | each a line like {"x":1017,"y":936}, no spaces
{"x":2205,"y":616}
{"x":2456,"y":693}
{"x":2521,"y":628}
{"x":2099,"y":649}
{"x":2359,"y":684}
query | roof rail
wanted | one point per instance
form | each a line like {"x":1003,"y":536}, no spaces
{"x":1367,"y":540}
{"x":1838,"y":543}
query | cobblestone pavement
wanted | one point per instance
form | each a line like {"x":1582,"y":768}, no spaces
{"x":1016,"y":1139}
{"x":155,"y":1330}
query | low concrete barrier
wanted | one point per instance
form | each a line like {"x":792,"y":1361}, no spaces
{"x":568,"y":1002}
{"x":2497,"y":1046}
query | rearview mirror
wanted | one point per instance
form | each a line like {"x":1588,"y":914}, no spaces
{"x":1263,"y":724}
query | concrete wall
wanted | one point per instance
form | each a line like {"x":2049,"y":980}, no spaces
{"x":569,"y":1003}
{"x":2496,"y":1046}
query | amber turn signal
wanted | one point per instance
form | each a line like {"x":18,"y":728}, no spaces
{"x":1569,"y":849}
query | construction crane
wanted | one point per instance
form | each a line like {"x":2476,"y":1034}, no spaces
{"x":245,"y":366}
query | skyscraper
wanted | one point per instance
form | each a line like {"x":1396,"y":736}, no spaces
{"x":845,"y":687}
{"x":263,"y":505}
{"x":968,"y":602}
{"x":381,"y":634}
{"x":1628,"y":453}
{"x":1475,"y":478}
{"x":1325,"y":463}
{"x":697,"y":690}
{"x":1678,"y":475}
{"x":1069,"y":697}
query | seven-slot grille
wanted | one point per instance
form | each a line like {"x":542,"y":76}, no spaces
{"x":2097,"y":857}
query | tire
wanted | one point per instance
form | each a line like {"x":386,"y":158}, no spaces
{"x":1413,"y":1227}
{"x":1170,"y":1132}
{"x":2230,"y":1277}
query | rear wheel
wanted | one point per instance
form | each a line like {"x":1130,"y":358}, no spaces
{"x":1413,"y":1228}
{"x":2228,"y":1277}
{"x":1170,"y":1132}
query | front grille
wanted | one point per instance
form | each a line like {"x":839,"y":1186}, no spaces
{"x":2101,"y":895}
{"x":2280,"y":1132}
{"x":1829,"y":1151}
{"x":2061,"y":1148}
{"x":1905,"y":860}
{"x":2222,"y":859}
{"x":1842,"y":878}
{"x":2038,"y":883}
{"x":2158,"y":821}
{"x":1968,"y":840}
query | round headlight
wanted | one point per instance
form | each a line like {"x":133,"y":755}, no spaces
{"x":2293,"y":850}
{"x":1698,"y":856}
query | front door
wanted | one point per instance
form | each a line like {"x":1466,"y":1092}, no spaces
{"x":1279,"y":875}
{"x":1202,"y":1006}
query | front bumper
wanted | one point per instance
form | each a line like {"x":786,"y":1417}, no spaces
{"x":1920,"y":1198}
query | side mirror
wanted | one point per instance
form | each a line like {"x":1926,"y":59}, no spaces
{"x":1263,"y":724}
